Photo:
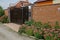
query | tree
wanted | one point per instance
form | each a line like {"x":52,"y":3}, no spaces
{"x":1,"y":11}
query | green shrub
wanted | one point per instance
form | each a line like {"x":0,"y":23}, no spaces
{"x":4,"y":19}
{"x":46,"y":25}
{"x":58,"y":38}
{"x":1,"y":14}
{"x":57,"y":25}
{"x":41,"y":31}
{"x":22,"y":30}
{"x":1,"y":11}
{"x":39,"y":36}
{"x":29,"y":32}
{"x":38,"y":25}
{"x":29,"y":23}
{"x":48,"y":38}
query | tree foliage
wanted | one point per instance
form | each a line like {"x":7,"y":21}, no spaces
{"x":1,"y":11}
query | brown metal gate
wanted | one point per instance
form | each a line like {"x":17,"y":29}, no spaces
{"x":19,"y":15}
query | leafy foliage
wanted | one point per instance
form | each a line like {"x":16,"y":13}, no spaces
{"x":38,"y":24}
{"x":57,"y":25}
{"x":43,"y":31}
{"x":29,"y":32}
{"x":1,"y":11}
{"x":46,"y":25}
{"x":29,"y":23}
{"x":39,"y":36}
{"x":58,"y":39}
{"x":22,"y":30}
{"x":4,"y":19}
{"x":48,"y":38}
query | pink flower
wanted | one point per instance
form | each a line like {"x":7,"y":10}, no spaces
{"x":35,"y":30}
{"x":59,"y":36}
{"x":51,"y":30}
{"x":56,"y":31}
{"x":44,"y":29}
{"x":50,"y":34}
{"x":45,"y":36}
{"x":48,"y":29}
{"x":45,"y":32}
{"x":40,"y":32}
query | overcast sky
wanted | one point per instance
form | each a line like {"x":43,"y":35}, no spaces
{"x":5,"y":3}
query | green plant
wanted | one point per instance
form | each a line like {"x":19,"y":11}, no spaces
{"x":29,"y":23}
{"x":39,"y":36}
{"x":38,"y":25}
{"x":58,"y":38}
{"x":22,"y":30}
{"x":48,"y":38}
{"x":46,"y":25}
{"x":40,"y":31}
{"x":57,"y":25}
{"x":4,"y":19}
{"x":29,"y":32}
{"x":1,"y":11}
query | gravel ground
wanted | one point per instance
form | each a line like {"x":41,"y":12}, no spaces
{"x":7,"y":34}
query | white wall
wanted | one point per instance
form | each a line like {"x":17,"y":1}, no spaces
{"x":56,"y":1}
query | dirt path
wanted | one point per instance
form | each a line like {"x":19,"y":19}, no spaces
{"x":7,"y":34}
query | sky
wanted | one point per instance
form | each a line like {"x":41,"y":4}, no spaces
{"x":5,"y":3}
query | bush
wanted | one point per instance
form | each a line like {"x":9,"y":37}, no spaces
{"x":57,"y":25}
{"x":48,"y":38}
{"x":39,"y":36}
{"x":29,"y":32}
{"x":21,"y":30}
{"x":46,"y":25}
{"x":29,"y":23}
{"x":1,"y":14}
{"x":42,"y":31}
{"x":58,"y":38}
{"x":38,"y":25}
{"x":4,"y":19}
{"x":1,"y":11}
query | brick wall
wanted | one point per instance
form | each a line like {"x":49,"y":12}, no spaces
{"x":6,"y":12}
{"x":46,"y":13}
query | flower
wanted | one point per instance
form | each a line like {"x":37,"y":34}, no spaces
{"x":51,"y":30}
{"x":40,"y":32}
{"x":56,"y":31}
{"x":50,"y":34}
{"x":48,"y":29}
{"x":45,"y":32}
{"x":45,"y":35}
{"x":35,"y":30}
{"x":44,"y":29}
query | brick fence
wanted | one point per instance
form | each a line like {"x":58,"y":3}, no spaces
{"x":46,"y":13}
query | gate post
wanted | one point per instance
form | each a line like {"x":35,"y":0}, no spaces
{"x":9,"y":14}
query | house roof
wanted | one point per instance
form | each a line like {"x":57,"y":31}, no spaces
{"x":42,"y":1}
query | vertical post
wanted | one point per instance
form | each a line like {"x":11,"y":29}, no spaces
{"x":31,"y":11}
{"x":22,"y":15}
{"x":30,"y":14}
{"x":9,"y":14}
{"x":22,"y":12}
